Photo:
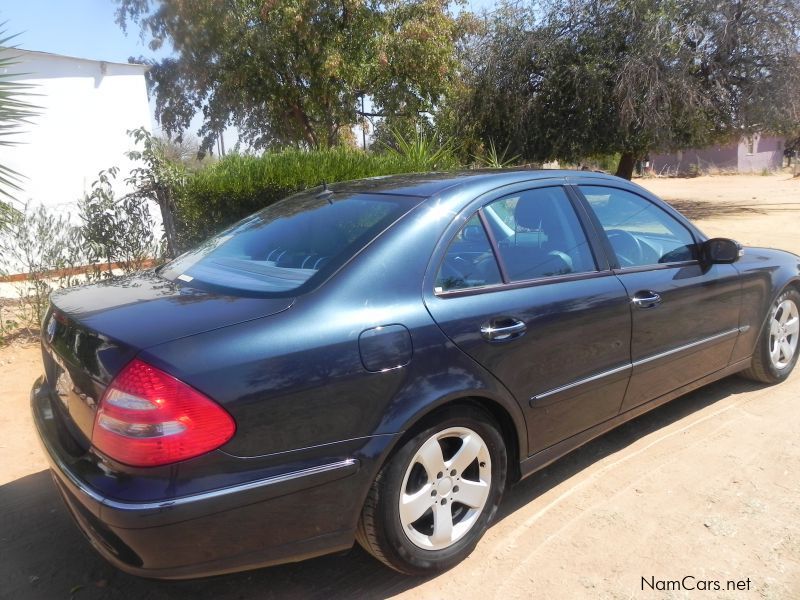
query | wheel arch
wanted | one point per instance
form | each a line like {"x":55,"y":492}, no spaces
{"x":793,"y":283}
{"x":765,"y":274}
{"x":512,"y":430}
{"x":779,"y":288}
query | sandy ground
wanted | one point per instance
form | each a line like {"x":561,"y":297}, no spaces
{"x":707,"y":487}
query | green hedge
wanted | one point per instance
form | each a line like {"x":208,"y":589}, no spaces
{"x":237,"y":186}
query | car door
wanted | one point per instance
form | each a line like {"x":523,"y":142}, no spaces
{"x":517,"y":284}
{"x":685,"y":313}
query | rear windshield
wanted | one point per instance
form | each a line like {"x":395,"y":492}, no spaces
{"x":290,"y":245}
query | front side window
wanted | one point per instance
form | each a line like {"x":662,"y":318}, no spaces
{"x":292,"y":243}
{"x":538,"y":235}
{"x":640,"y":232}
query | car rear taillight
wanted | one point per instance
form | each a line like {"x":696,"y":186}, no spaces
{"x":148,"y":418}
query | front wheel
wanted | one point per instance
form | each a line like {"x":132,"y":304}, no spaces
{"x":776,"y":350}
{"x":434,"y":499}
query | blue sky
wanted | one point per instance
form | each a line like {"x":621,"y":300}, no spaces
{"x":83,"y":28}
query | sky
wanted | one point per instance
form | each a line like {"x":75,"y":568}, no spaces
{"x":82,"y":28}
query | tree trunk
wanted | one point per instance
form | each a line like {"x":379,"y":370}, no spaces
{"x":168,"y":221}
{"x":625,"y":167}
{"x":301,"y":118}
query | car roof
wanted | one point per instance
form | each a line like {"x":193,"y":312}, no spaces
{"x":429,"y":184}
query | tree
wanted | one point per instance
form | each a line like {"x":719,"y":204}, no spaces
{"x":561,"y":80}
{"x":15,"y":111}
{"x":290,"y":72}
{"x":155,"y":179}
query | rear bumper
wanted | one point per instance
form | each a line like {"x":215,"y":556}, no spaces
{"x":287,"y":517}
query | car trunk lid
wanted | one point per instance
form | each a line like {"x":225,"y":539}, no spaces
{"x":91,"y":332}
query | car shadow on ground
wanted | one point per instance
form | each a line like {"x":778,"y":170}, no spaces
{"x":703,"y":209}
{"x":42,"y":554}
{"x":619,"y":438}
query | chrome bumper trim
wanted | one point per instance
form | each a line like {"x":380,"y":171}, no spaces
{"x":234,"y":489}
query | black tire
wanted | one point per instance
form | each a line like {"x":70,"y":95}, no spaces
{"x":380,"y":531}
{"x":762,"y":369}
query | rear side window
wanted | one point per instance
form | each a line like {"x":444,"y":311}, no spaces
{"x":640,"y":232}
{"x":537,"y":235}
{"x":469,"y":261}
{"x":291,"y":244}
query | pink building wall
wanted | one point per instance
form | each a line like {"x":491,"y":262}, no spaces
{"x":767,"y":153}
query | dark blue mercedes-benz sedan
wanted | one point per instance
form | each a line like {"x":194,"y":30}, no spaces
{"x":378,"y":360}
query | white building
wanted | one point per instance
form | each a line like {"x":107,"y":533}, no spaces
{"x":85,"y":109}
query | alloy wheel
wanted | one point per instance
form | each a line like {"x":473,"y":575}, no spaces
{"x":783,"y":333}
{"x":445,"y":488}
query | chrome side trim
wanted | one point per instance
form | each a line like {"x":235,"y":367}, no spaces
{"x":636,"y":363}
{"x":707,"y":340}
{"x":568,"y":386}
{"x":251,"y":485}
{"x":552,"y":453}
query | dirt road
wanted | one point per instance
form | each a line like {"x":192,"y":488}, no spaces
{"x":706,"y":488}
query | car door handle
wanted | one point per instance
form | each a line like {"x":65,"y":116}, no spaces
{"x":501,"y":330}
{"x":647,"y":299}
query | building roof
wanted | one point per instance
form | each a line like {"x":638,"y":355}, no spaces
{"x":23,"y":51}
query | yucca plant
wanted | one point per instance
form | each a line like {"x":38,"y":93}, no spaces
{"x":15,"y":112}
{"x":422,"y":152}
{"x":492,"y":159}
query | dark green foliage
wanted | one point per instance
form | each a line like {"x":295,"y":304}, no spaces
{"x":558,"y":80}
{"x":116,"y":232}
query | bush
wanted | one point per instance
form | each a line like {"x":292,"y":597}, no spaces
{"x":603,"y":162}
{"x":114,"y":235}
{"x":237,"y":186}
{"x":47,"y":248}
{"x":116,"y":232}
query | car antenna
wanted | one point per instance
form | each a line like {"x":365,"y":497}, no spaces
{"x":326,"y":193}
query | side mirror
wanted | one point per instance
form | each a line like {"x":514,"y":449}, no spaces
{"x":722,"y":251}
{"x":473,"y":233}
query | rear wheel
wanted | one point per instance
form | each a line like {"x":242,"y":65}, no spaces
{"x":776,"y":350}
{"x":434,"y":499}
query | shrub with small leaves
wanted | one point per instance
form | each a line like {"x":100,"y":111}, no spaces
{"x":116,"y":232}
{"x":44,"y":246}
